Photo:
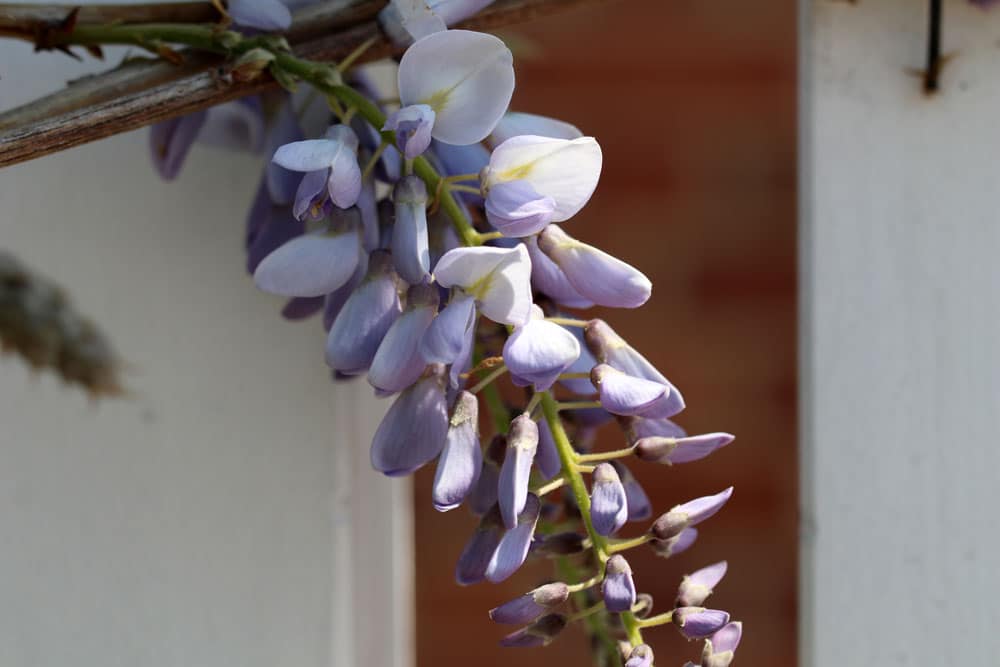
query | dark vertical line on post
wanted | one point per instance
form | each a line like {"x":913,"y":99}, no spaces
{"x":933,"y":69}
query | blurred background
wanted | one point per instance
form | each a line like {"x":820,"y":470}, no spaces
{"x":694,"y":106}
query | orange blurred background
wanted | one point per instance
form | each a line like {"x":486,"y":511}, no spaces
{"x":694,"y":106}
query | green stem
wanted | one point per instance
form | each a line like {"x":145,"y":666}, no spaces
{"x":605,"y":456}
{"x":659,"y":619}
{"x":567,"y":456}
{"x":631,"y":543}
{"x":488,"y":379}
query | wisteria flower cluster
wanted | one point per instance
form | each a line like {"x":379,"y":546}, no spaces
{"x":429,"y":228}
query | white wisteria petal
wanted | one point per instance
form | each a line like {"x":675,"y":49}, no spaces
{"x":466,"y":77}
{"x":516,"y":123}
{"x":499,"y":279}
{"x":308,"y":155}
{"x":565,"y":169}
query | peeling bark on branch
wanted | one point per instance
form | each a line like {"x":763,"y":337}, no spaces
{"x":140,"y":93}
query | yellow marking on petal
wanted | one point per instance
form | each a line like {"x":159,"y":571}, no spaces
{"x":438,"y":100}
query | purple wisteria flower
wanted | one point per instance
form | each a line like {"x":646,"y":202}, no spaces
{"x":680,"y":450}
{"x":414,"y":430}
{"x":618,"y":589}
{"x":448,"y":333}
{"x":539,"y":633}
{"x":498,"y":278}
{"x":461,"y":461}
{"x":548,"y":278}
{"x":639,"y":506}
{"x":547,"y":456}
{"x":512,"y":491}
{"x":698,"y":622}
{"x":513,"y":548}
{"x":623,"y":394}
{"x":336,"y":154}
{"x":695,"y":588}
{"x":610,"y":348}
{"x":689,"y":514}
{"x":464,"y":78}
{"x":365,"y":318}
{"x":410,"y":244}
{"x":531,"y":605}
{"x":412,"y":126}
{"x":478,"y":552}
{"x":484,"y":493}
{"x":596,"y":275}
{"x":677,"y":544}
{"x":171,"y":141}
{"x":720,"y":647}
{"x":608,"y":503}
{"x":531,"y":181}
{"x":397,"y":363}
{"x":538,"y":351}
{"x":310,"y":265}
{"x":640,"y":656}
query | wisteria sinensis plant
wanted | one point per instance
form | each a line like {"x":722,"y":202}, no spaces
{"x":429,"y":228}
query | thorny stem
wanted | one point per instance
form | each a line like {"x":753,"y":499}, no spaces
{"x":567,"y":456}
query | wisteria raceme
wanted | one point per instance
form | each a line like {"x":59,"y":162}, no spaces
{"x":425,"y":232}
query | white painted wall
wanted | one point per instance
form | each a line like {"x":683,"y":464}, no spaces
{"x":900,"y":238}
{"x":225,"y":514}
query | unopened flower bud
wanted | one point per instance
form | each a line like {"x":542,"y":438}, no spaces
{"x":513,"y":547}
{"x":596,"y":275}
{"x":623,"y":394}
{"x":618,"y":589}
{"x":415,"y":428}
{"x":695,"y":588}
{"x":688,"y":514}
{"x":720,"y":648}
{"x":610,"y":348}
{"x":512,"y":491}
{"x":676,"y":544}
{"x":639,"y":507}
{"x":680,"y":450}
{"x":608,"y":504}
{"x":539,"y":633}
{"x":484,"y":494}
{"x":698,"y":622}
{"x":478,"y":551}
{"x":461,"y":462}
{"x":410,"y":245}
{"x":531,"y":605}
{"x":641,"y":656}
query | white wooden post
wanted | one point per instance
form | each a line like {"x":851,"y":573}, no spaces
{"x":225,"y":513}
{"x":900,"y":369}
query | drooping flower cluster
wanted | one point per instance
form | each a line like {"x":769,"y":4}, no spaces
{"x":429,"y":234}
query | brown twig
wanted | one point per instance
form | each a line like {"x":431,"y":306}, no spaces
{"x":147,"y":92}
{"x":28,"y":21}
